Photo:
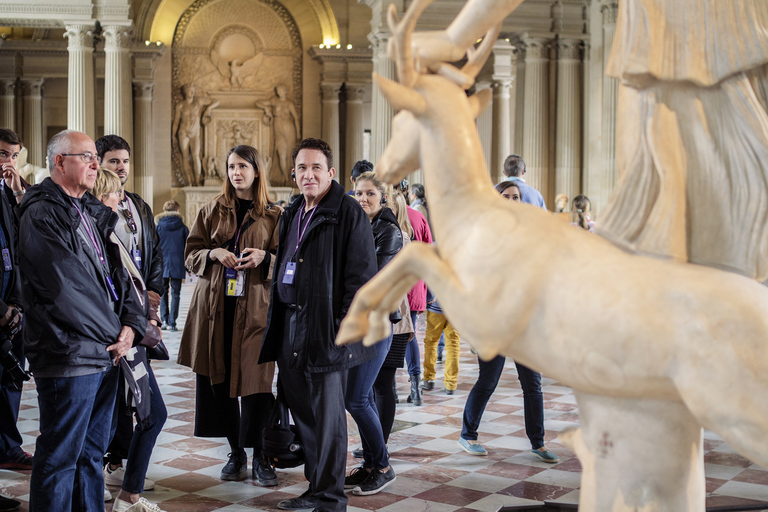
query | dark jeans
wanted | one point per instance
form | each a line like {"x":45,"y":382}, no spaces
{"x":143,"y":440}
{"x":360,"y":404}
{"x":412,"y":354}
{"x":316,"y":402}
{"x":175,"y":294}
{"x":10,"y":399}
{"x":75,"y":420}
{"x":487,"y":380}
{"x":384,"y":395}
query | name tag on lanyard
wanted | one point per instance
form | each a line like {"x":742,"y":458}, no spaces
{"x":290,"y":272}
{"x":235,"y":282}
{"x":7,"y":264}
{"x":136,"y":253}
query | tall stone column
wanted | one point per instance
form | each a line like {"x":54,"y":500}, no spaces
{"x":610,"y":102}
{"x":569,"y":119}
{"x":501,"y":141}
{"x":330,"y":96}
{"x":81,"y":97}
{"x":33,"y":121}
{"x":536,"y":115}
{"x":118,"y":109}
{"x":381,"y":118}
{"x":143,"y":147}
{"x":8,"y":104}
{"x":355,"y":93}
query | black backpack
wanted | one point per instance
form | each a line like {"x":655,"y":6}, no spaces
{"x":280,"y":442}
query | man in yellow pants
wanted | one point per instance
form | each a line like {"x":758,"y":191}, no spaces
{"x":437,"y":323}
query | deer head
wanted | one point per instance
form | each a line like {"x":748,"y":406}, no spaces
{"x":426,"y":98}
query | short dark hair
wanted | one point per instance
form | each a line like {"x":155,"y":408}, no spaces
{"x":9,"y":137}
{"x":109,"y":143}
{"x":361,"y":167}
{"x":504,"y":185}
{"x":514,"y":166}
{"x":318,"y":144}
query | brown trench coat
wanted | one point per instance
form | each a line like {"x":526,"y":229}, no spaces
{"x":202,"y":345}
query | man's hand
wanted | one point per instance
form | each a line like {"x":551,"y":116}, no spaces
{"x":12,"y":178}
{"x":123,"y":345}
{"x":11,"y":322}
{"x":224,"y":257}
{"x":253,"y":260}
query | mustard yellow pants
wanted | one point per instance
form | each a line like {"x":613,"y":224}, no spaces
{"x":436,"y":324}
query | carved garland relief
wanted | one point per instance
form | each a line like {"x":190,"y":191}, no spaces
{"x":236,"y":80}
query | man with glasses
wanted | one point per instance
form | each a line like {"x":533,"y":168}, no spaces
{"x":82,"y":317}
{"x":136,"y":230}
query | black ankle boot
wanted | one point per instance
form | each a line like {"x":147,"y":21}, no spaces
{"x":415,"y":391}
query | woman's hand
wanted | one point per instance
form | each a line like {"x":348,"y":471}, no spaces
{"x":224,"y":257}
{"x":253,"y":260}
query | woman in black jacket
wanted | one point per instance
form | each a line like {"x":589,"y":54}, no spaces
{"x":375,"y":473}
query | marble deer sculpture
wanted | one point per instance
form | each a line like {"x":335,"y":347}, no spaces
{"x":668,"y":347}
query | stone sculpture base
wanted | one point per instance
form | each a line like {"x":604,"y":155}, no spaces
{"x":638,"y":455}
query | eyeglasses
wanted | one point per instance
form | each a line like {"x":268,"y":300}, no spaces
{"x":88,"y":157}
{"x":128,"y":216}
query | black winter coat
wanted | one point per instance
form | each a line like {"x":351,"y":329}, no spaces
{"x":11,"y":229}
{"x":70,"y":317}
{"x":335,"y":258}
{"x":152,"y":256}
{"x":387,"y":236}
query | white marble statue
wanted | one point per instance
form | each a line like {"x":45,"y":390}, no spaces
{"x":667,"y":348}
{"x":30,"y":172}
{"x":281,"y":113}
{"x":190,"y":113}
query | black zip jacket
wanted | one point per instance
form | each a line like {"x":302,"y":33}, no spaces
{"x":388,"y":238}
{"x":152,"y":255}
{"x":70,"y":317}
{"x":335,"y":258}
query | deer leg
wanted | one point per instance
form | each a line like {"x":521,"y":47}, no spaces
{"x":368,"y":315}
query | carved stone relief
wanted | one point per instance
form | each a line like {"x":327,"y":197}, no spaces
{"x":235,"y":53}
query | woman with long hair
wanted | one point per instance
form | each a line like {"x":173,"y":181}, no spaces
{"x":231,"y":249}
{"x":581,"y":207}
{"x":375,"y":473}
{"x":107,"y":190}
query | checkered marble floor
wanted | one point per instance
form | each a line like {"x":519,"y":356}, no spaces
{"x":433,"y":473}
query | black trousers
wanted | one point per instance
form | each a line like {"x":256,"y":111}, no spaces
{"x":316,"y":401}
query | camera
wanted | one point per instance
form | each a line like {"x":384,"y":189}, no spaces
{"x":11,"y":364}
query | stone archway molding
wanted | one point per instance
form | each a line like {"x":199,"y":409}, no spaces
{"x":316,"y":24}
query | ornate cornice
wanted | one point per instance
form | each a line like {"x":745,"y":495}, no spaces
{"x":323,"y":55}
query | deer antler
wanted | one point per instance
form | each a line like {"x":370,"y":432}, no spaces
{"x":399,"y":49}
{"x":476,"y":58}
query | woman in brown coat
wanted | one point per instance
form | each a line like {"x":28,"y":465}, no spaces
{"x":231,"y":248}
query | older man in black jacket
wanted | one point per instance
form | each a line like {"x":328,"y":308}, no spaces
{"x":326,"y":254}
{"x":82,"y":317}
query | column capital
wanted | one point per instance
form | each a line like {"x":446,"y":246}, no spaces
{"x":143,"y":89}
{"x":8,"y":87}
{"x":33,"y":87}
{"x":355,"y":92}
{"x":610,"y":11}
{"x":330,"y":92}
{"x":536,"y":48}
{"x":117,"y":36}
{"x":79,"y":36}
{"x":569,"y":49}
{"x":501,"y":83}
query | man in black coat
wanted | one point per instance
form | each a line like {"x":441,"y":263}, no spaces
{"x":82,"y":317}
{"x":136,"y":230}
{"x":326,"y":254}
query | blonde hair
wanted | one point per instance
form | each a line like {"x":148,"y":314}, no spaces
{"x":106,"y":183}
{"x":400,"y":207}
{"x":384,"y":189}
{"x":171,"y":206}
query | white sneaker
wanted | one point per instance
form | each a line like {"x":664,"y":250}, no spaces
{"x":115,"y":477}
{"x":107,"y":494}
{"x":140,"y":506}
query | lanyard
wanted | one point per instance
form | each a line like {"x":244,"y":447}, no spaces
{"x":130,"y":221}
{"x":90,"y":235}
{"x":237,"y":233}
{"x":301,"y":232}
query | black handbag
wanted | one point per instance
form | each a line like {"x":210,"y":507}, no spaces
{"x":280,"y":443}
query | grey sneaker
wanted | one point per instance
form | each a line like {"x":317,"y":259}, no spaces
{"x":546,"y":455}
{"x":472,"y":447}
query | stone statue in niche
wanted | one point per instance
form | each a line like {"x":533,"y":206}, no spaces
{"x":281,"y":113}
{"x":213,"y":175}
{"x":191,"y":112}
{"x":670,"y":347}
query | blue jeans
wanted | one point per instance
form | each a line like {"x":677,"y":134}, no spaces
{"x":361,"y":405}
{"x":175,"y":297}
{"x":75,"y":420}
{"x":143,"y":440}
{"x":412,"y":354}
{"x":487,"y":380}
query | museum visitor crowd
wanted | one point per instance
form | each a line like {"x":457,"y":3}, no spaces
{"x":91,"y":279}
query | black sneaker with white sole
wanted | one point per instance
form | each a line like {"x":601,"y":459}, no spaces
{"x":375,"y":483}
{"x":356,"y":477}
{"x":264,"y":473}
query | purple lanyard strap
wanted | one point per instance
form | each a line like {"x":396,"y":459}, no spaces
{"x":90,"y":235}
{"x":304,"y":231}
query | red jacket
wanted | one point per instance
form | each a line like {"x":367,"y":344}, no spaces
{"x":417,"y":297}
